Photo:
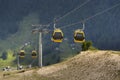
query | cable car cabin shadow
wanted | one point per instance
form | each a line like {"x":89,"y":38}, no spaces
{"x":79,"y":36}
{"x":57,"y":35}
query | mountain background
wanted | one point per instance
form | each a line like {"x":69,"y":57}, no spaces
{"x":17,"y":16}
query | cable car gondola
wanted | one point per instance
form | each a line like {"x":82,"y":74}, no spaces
{"x":57,"y":35}
{"x":22,"y":54}
{"x":79,"y":36}
{"x":34,"y":54}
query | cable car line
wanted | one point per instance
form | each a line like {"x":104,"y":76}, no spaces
{"x":99,"y":13}
{"x":73,"y":10}
{"x":79,"y":35}
{"x":69,"y":12}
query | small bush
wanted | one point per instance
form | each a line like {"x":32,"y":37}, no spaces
{"x":87,"y":45}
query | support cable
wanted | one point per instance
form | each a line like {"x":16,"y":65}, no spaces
{"x":99,"y":13}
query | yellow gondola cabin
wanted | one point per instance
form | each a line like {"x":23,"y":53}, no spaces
{"x":34,"y":54}
{"x":22,"y":54}
{"x":57,"y":35}
{"x":79,"y":36}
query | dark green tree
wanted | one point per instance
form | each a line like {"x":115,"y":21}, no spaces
{"x":4,"y":55}
{"x":86,"y":45}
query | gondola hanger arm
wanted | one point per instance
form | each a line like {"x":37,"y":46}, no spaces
{"x":83,"y":24}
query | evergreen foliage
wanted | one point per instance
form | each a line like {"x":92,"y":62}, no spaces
{"x":4,"y":55}
{"x":86,"y":45}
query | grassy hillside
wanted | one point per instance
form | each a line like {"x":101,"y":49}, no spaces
{"x":89,"y":65}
